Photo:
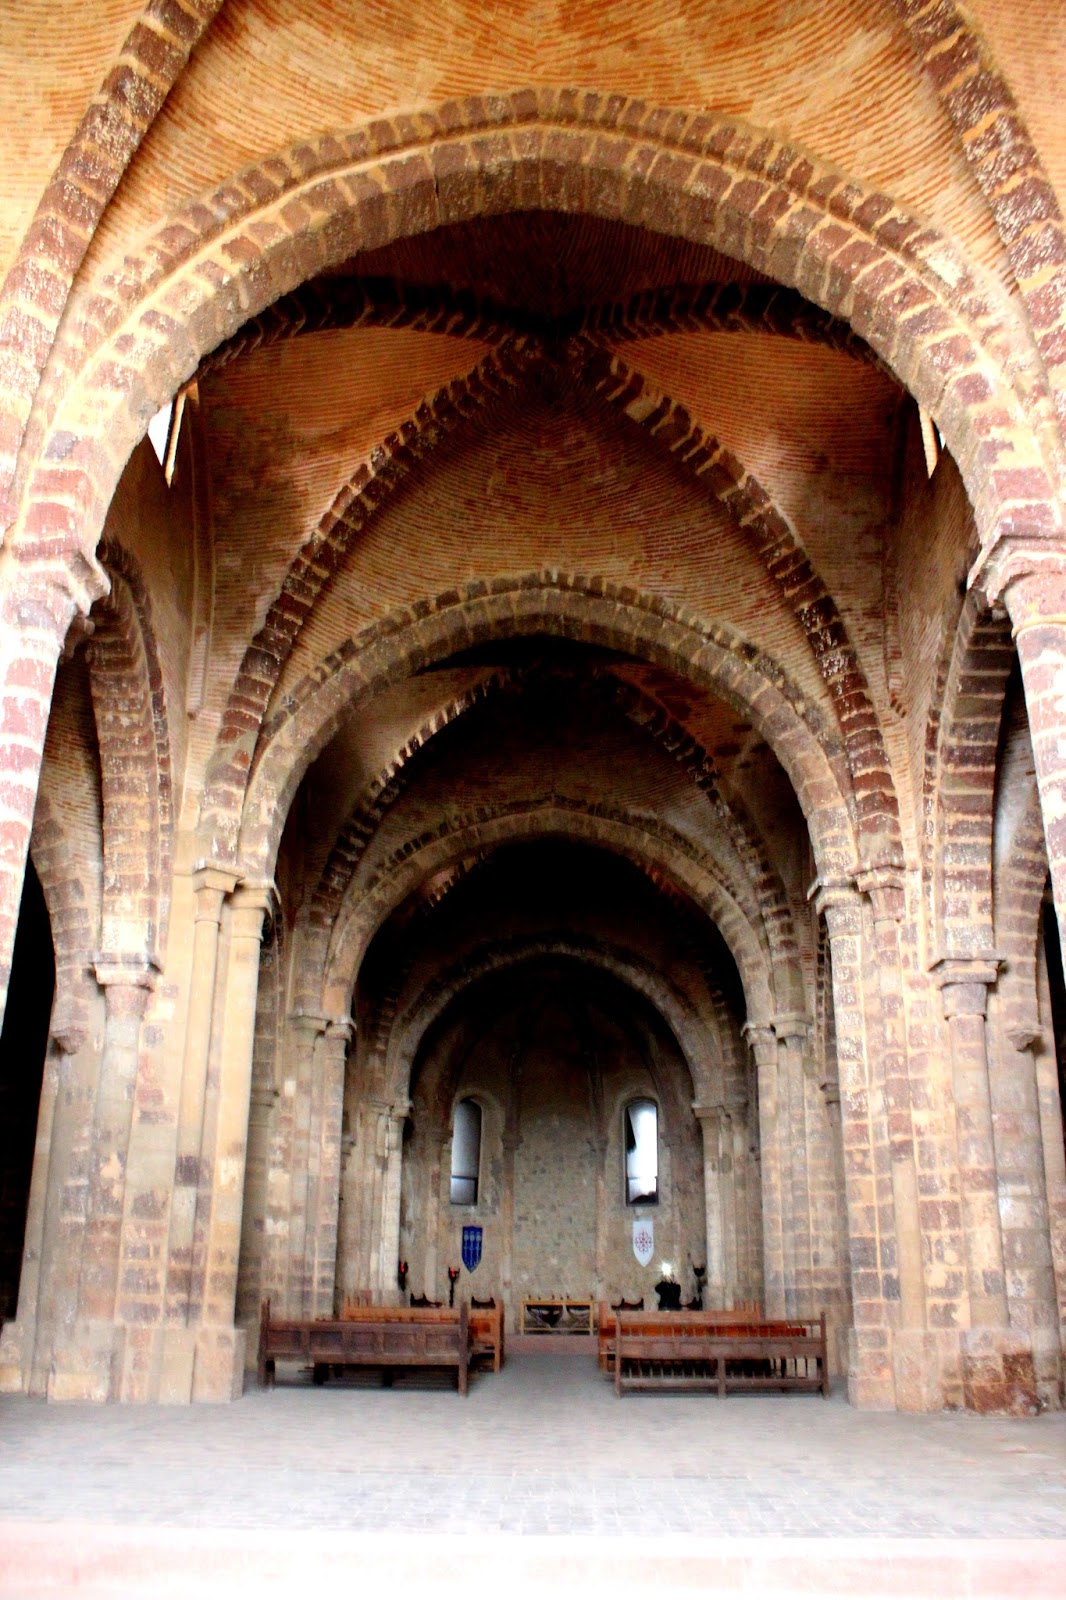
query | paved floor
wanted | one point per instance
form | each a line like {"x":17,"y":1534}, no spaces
{"x":544,"y":1448}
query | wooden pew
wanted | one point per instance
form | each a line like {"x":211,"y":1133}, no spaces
{"x":367,"y":1336}
{"x":486,"y":1331}
{"x":744,"y":1310}
{"x":485,"y":1321}
{"x":726,"y":1356}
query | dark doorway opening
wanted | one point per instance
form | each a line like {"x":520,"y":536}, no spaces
{"x":1056,"y":980}
{"x":23,"y":1043}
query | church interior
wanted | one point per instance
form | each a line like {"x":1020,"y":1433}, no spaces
{"x":532,"y":646}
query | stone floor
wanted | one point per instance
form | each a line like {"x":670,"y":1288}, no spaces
{"x":542,"y":1449}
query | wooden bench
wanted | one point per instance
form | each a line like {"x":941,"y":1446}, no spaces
{"x":683,"y":1350}
{"x":486,"y":1332}
{"x":485,"y":1323}
{"x":670,"y":1321}
{"x":367,"y":1336}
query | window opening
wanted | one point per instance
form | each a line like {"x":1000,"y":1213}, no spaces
{"x":641,"y":1127}
{"x":932,"y":440}
{"x":466,"y":1153}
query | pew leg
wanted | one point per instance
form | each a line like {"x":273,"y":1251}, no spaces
{"x":319,"y":1374}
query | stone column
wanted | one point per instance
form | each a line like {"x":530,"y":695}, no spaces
{"x":388,"y":1246}
{"x":250,"y":1288}
{"x":87,"y":1363}
{"x":1032,"y":1178}
{"x":874,"y":1284}
{"x":212,"y":884}
{"x":884,"y":887}
{"x":997,"y":1367}
{"x":743,"y":1277}
{"x":219,"y":1364}
{"x":305,"y":1030}
{"x":793,"y":1033}
{"x":763,"y":1044}
{"x":324,"y":1170}
{"x":710,"y":1119}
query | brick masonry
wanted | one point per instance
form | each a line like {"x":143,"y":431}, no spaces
{"x":563,"y":663}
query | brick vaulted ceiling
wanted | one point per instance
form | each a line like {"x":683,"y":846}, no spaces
{"x":537,"y":401}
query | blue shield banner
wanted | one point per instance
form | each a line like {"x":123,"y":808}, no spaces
{"x":471,"y":1248}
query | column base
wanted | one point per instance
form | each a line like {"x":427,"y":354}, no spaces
{"x":87,"y":1363}
{"x":871,"y":1386}
{"x":201,"y":1365}
{"x":14,"y":1359}
{"x":917,"y":1370}
{"x":998,"y":1372}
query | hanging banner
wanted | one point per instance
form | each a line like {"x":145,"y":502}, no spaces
{"x":471,"y":1248}
{"x":643,"y":1241}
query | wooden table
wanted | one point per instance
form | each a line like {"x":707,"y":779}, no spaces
{"x":557,"y":1316}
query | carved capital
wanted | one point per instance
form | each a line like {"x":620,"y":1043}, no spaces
{"x":1024,"y":572}
{"x":965,"y":981}
{"x":884,"y":886}
{"x":837,"y":900}
{"x":763,"y":1042}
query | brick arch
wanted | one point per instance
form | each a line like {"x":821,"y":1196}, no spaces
{"x":130,"y":709}
{"x":667,"y":734}
{"x":562,"y":606}
{"x":108,"y":136}
{"x":315,"y":565}
{"x":327,"y":304}
{"x":1020,"y":888}
{"x":765,"y":308}
{"x":368,"y":904}
{"x":72,"y":921}
{"x":132,"y":339}
{"x":345,"y":303}
{"x":406,"y":1030}
{"x":777,"y":546}
{"x":995,"y":141}
{"x":961,"y":779}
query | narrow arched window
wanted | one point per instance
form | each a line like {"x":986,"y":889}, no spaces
{"x":466,"y":1153}
{"x":641,"y":1130}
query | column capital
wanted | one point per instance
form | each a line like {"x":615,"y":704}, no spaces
{"x":792,"y":1027}
{"x":308,"y":1025}
{"x":255,"y":894}
{"x":829,"y":895}
{"x":134,"y":970}
{"x":965,"y":981}
{"x":709,"y":1113}
{"x":763,"y":1042}
{"x":1015,"y":557}
{"x":219,"y":877}
{"x":339,"y":1028}
{"x":883,"y":884}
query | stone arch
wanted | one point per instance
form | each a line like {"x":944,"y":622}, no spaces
{"x":408,"y":1027}
{"x":561,"y":606}
{"x":637,"y":839}
{"x":129,"y":706}
{"x":962,"y":782}
{"x":713,"y":180}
